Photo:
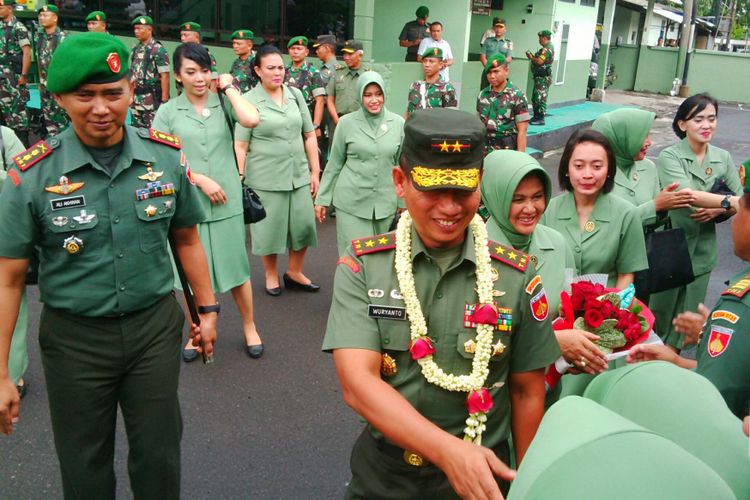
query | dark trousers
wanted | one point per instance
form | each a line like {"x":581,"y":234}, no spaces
{"x":380,"y":472}
{"x":92,"y":365}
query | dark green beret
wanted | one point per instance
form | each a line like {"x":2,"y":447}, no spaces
{"x":90,"y":57}
{"x":436,"y":52}
{"x":298,"y":40}
{"x":7,"y":2}
{"x":143,"y":20}
{"x":96,"y":15}
{"x":546,"y":33}
{"x":498,"y":20}
{"x":422,"y":12}
{"x":243,"y":35}
{"x":49,"y":8}
{"x":495,"y":60}
{"x":444,"y":148}
{"x":190,"y":26}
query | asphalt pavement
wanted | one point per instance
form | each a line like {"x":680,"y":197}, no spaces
{"x":277,"y":427}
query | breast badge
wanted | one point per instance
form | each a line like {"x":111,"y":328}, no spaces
{"x":60,"y":220}
{"x":388,"y":366}
{"x":64,"y":186}
{"x":84,"y":217}
{"x":150,"y":175}
{"x":150,"y":211}
{"x":73,"y":245}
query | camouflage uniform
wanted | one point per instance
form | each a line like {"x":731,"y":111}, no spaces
{"x":53,"y":116}
{"x":306,"y":78}
{"x":542,"y":79}
{"x":434,"y":95}
{"x":243,"y":73}
{"x":147,"y":62}
{"x":500,"y":111}
{"x":13,"y":98}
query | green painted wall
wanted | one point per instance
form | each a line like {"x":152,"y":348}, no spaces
{"x":625,"y":60}
{"x":574,"y":89}
{"x":659,"y":66}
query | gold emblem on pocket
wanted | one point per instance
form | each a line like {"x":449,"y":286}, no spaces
{"x":388,"y":366}
{"x":150,"y":211}
{"x":470,"y":346}
{"x":73,"y":245}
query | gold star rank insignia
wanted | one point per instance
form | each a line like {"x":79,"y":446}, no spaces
{"x":371,"y":244}
{"x":509,"y":255}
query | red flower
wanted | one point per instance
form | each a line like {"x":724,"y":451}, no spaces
{"x":479,"y":401}
{"x":593,"y":317}
{"x":421,"y":347}
{"x":609,"y":310}
{"x":632,"y":332}
{"x":486,"y":314}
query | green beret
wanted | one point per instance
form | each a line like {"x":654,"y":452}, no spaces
{"x":444,"y":148}
{"x":436,"y":52}
{"x":90,"y":57}
{"x":96,"y":15}
{"x":49,"y":8}
{"x":190,"y":26}
{"x":298,"y":40}
{"x":495,"y":60}
{"x":143,"y":20}
{"x":7,"y":2}
{"x":423,"y":12}
{"x":498,"y":20}
{"x":546,"y":33}
{"x":243,"y":35}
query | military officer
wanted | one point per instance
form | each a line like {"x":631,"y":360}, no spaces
{"x":414,"y":32}
{"x":496,"y":44}
{"x":53,"y":117}
{"x":325,"y":49}
{"x":541,"y":70}
{"x":342,"y":88}
{"x":149,"y":73}
{"x":503,"y":108}
{"x":420,"y":321}
{"x":432,"y":92}
{"x":96,"y":21}
{"x":191,"y":32}
{"x":306,"y":77}
{"x":242,"y":67}
{"x":15,"y":62}
{"x":101,"y":201}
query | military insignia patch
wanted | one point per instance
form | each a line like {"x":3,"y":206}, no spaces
{"x":509,"y":255}
{"x":349,"y":262}
{"x":168,"y":139}
{"x":740,"y":288}
{"x":64,"y":186}
{"x":533,"y":284}
{"x":718,"y":340}
{"x":443,"y":146}
{"x":539,"y":306}
{"x":372,"y":244}
{"x":31,"y":156}
{"x":15,"y":179}
{"x":725,"y":315}
{"x":388,"y":366}
{"x":150,"y":175}
{"x":113,"y":62}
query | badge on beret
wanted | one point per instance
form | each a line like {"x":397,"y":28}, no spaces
{"x":142,"y":20}
{"x":718,"y":340}
{"x":113,"y":62}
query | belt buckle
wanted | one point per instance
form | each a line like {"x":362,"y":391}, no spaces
{"x":414,"y":460}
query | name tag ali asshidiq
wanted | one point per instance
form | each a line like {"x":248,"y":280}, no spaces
{"x":386,"y":312}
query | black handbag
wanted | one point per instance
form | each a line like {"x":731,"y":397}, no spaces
{"x":669,"y":262}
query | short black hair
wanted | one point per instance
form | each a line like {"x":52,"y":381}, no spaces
{"x":193,"y":51}
{"x":691,"y":107}
{"x":436,"y":23}
{"x":265,"y":50}
{"x":579,"y":137}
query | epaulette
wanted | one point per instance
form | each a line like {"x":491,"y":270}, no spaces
{"x":31,"y":156}
{"x":339,"y":66}
{"x":509,"y":255}
{"x":164,"y":138}
{"x":372,"y":244}
{"x":740,"y":288}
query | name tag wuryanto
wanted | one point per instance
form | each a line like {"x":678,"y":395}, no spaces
{"x":386,"y":312}
{"x":70,"y":202}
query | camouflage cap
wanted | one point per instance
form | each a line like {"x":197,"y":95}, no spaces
{"x":435,"y":52}
{"x":351,"y":46}
{"x":328,"y":39}
{"x":495,"y":61}
{"x":143,"y":20}
{"x":422,"y":12}
{"x":243,"y":35}
{"x":546,"y":33}
{"x":298,"y":40}
{"x":90,"y":57}
{"x":96,"y":15}
{"x":444,"y":148}
{"x":190,"y":26}
{"x":50,"y":8}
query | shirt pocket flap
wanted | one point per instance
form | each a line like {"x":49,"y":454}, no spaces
{"x":72,"y":220}
{"x":467,"y":343}
{"x":153,"y":209}
{"x":394,"y":335}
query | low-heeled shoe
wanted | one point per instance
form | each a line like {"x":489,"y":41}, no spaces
{"x":290,"y":283}
{"x":255,"y":351}
{"x":274,"y":292}
{"x":189,"y":355}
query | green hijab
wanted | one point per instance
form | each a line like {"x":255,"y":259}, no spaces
{"x":503,"y":172}
{"x":364,"y":80}
{"x":625,"y":129}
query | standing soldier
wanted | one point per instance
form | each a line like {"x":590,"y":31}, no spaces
{"x":149,"y":73}
{"x":414,"y":32}
{"x":242,"y":67}
{"x":96,"y":21}
{"x":342,"y":88}
{"x":497,"y":44}
{"x":306,"y":77}
{"x":191,"y":32}
{"x":100,"y":201}
{"x":325,"y":49}
{"x":53,"y":116}
{"x":541,"y":70}
{"x":15,"y":60}
{"x":432,"y":92}
{"x":503,"y":108}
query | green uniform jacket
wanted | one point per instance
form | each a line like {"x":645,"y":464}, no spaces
{"x":276,"y":160}
{"x":343,"y":87}
{"x":492,"y":45}
{"x":639,"y":186}
{"x":357,"y":178}
{"x":123,"y":263}
{"x":678,"y":164}
{"x":615,"y":245}
{"x":207,"y":144}
{"x":366,"y":285}
{"x":723,"y":350}
{"x":12,"y":146}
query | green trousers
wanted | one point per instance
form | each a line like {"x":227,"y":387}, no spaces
{"x":92,"y":365}
{"x":349,"y":227}
{"x":18,"y":359}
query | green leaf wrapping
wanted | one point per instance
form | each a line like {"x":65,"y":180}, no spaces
{"x":609,"y":338}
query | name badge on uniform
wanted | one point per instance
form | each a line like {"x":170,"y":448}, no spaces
{"x":71,"y":202}
{"x":386,"y":312}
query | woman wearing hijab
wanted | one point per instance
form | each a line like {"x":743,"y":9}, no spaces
{"x":357,"y":179}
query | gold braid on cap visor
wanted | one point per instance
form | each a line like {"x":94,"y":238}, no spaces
{"x":437,"y":177}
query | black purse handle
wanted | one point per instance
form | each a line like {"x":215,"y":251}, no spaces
{"x":231,"y":128}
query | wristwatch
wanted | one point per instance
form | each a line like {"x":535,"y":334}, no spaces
{"x":213,"y":308}
{"x":227,"y":87}
{"x":725,"y":202}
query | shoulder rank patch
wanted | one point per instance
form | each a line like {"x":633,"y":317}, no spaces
{"x":509,"y":255}
{"x":740,"y":288}
{"x":168,"y":139}
{"x":535,"y":282}
{"x":725,"y":315}
{"x":13,"y":175}
{"x":349,"y":262}
{"x":31,"y":156}
{"x":372,"y":244}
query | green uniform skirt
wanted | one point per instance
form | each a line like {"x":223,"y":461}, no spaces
{"x":289,"y":222}
{"x":349,"y":227}
{"x":668,"y":304}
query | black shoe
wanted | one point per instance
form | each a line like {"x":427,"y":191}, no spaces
{"x":537,"y":121}
{"x":274,"y":292}
{"x":189,"y":355}
{"x":22,"y":390}
{"x":290,"y":283}
{"x":255,"y":351}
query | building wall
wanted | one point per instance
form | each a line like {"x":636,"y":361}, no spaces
{"x":625,"y":60}
{"x":626,"y":25}
{"x":582,"y":21}
{"x":659,"y":68}
{"x":723,"y":74}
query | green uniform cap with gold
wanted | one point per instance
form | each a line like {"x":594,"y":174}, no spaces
{"x":436,"y":52}
{"x":495,"y":61}
{"x":329,"y":39}
{"x":546,"y":33}
{"x":351,"y":46}
{"x":96,"y":15}
{"x":298,"y":40}
{"x":190,"y":26}
{"x":243,"y":35}
{"x":444,"y":148}
{"x":143,"y":20}
{"x":422,"y":12}
{"x":498,"y":20}
{"x":50,"y":8}
{"x":87,"y":58}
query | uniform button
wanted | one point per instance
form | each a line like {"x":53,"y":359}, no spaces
{"x":386,"y":341}
{"x":205,"y":158}
{"x":117,"y":220}
{"x":111,"y":184}
{"x":122,"y":288}
{"x":632,"y":193}
{"x":577,"y":249}
{"x":120,"y":255}
{"x":202,"y":126}
{"x":440,"y":295}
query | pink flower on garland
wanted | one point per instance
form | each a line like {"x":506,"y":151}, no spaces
{"x":486,"y":314}
{"x":421,"y":347}
{"x":479,"y":401}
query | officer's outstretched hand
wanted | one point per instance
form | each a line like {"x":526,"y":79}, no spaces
{"x":471,"y":470}
{"x":9,"y":405}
